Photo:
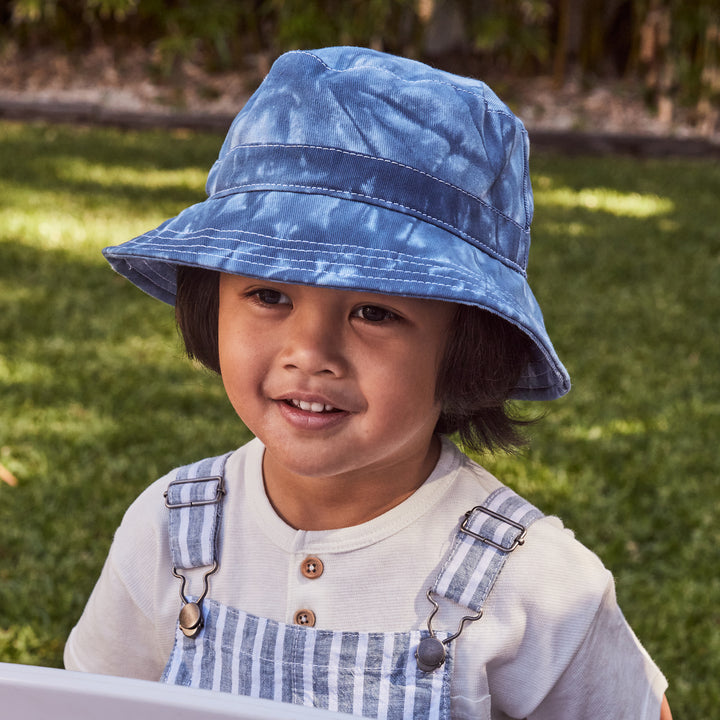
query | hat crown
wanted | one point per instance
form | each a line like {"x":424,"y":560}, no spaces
{"x":449,"y":142}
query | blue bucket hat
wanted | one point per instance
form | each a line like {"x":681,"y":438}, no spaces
{"x":353,"y":169}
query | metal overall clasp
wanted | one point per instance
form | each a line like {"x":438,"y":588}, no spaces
{"x":431,"y":653}
{"x":190,"y":619}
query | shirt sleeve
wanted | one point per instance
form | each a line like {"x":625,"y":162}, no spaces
{"x":610,"y":676}
{"x":122,"y":630}
{"x":111,"y":637}
{"x":565,"y":651}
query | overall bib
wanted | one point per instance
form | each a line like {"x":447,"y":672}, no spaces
{"x":369,"y":674}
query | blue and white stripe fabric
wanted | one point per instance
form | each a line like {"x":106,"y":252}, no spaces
{"x":368,"y":674}
{"x":472,"y":566}
{"x":194,"y":497}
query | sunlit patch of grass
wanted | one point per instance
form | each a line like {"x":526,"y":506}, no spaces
{"x":78,"y":170}
{"x":81,"y":191}
{"x":28,"y":645}
{"x":606,"y":200}
{"x":617,"y":426}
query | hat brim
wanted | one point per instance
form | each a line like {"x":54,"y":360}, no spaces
{"x":333,"y":242}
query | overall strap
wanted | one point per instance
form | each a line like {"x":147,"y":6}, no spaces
{"x":484,"y":541}
{"x":194,"y":502}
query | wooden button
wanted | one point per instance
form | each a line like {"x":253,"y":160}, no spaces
{"x":312,"y":567}
{"x":304,"y":617}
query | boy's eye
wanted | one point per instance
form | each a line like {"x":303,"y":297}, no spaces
{"x":372,"y":313}
{"x":268,"y":296}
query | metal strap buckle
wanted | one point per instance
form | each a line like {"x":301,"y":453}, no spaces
{"x":219,"y":492}
{"x":430,"y":653}
{"x":519,"y":540}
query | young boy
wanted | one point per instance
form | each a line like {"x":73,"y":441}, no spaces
{"x":357,"y":277}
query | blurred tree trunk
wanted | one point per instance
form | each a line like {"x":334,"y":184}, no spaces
{"x":655,"y":34}
{"x":445,"y":28}
{"x":561,"y":46}
{"x":709,"y":102}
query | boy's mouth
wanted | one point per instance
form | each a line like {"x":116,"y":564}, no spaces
{"x":314,"y":407}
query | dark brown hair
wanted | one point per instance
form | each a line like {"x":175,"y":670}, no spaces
{"x":197,"y":305}
{"x":483,"y":360}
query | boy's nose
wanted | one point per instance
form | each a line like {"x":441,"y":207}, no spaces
{"x":314,"y":343}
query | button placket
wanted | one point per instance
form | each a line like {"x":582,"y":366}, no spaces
{"x":311,"y":568}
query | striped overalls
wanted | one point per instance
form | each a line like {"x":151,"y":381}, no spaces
{"x":370,"y":674}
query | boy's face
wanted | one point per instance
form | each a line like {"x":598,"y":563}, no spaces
{"x":336,"y":384}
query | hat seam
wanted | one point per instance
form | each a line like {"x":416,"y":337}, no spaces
{"x":274,"y":264}
{"x":526,"y":178}
{"x":498,"y":110}
{"x":353,"y":153}
{"x":151,"y":274}
{"x":381,"y":253}
{"x":154,"y":278}
{"x":395,"y":271}
{"x":388,"y":204}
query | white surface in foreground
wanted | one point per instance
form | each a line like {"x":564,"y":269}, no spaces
{"x":38,"y":693}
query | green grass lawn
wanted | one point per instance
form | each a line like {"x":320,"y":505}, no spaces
{"x":96,"y":400}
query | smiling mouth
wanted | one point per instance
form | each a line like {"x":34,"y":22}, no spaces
{"x":313,"y":407}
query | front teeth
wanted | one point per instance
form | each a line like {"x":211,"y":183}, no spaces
{"x":315,"y":407}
